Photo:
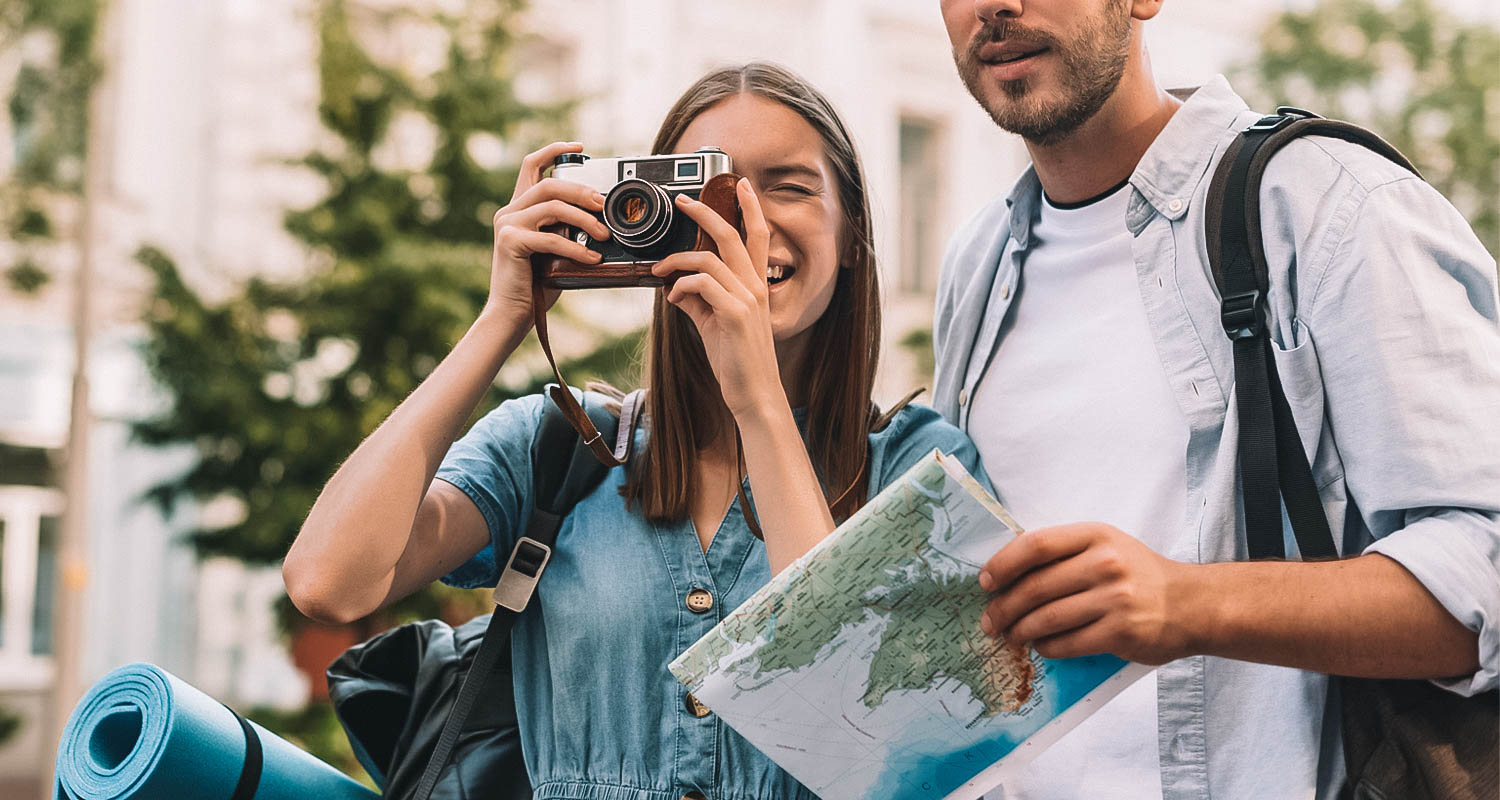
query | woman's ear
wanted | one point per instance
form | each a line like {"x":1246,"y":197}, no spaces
{"x":849,"y":255}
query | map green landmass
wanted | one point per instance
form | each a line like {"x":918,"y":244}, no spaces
{"x":931,"y":616}
{"x":888,"y":565}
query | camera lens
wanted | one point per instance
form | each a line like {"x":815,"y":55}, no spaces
{"x":638,"y":213}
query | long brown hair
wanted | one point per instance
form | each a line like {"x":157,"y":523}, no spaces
{"x":685,"y":408}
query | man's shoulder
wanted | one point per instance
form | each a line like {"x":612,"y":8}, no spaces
{"x":1312,"y":161}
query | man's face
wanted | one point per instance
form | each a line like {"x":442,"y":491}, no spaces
{"x":1040,"y":68}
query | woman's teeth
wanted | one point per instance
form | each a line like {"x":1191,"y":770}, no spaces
{"x":777,"y":273}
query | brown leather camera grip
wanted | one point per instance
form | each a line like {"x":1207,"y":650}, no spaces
{"x":556,"y":272}
{"x":719,"y":194}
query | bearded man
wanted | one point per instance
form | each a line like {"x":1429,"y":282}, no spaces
{"x":1078,"y":341}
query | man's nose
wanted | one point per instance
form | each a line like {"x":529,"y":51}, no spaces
{"x":990,"y":11}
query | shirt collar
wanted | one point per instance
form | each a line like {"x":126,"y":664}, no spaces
{"x":1170,"y":170}
{"x":1174,"y":165}
{"x":1023,"y":201}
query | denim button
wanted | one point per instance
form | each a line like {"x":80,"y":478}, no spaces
{"x":694,"y":707}
{"x":699,"y":601}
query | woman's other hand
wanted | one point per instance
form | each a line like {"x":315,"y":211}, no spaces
{"x":536,"y":203}
{"x":727,"y":298}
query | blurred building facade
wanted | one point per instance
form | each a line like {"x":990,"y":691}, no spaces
{"x":204,"y":102}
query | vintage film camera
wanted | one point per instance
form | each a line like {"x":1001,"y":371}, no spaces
{"x":644,"y":222}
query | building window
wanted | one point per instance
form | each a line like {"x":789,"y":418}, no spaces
{"x":46,"y":586}
{"x":921,"y":171}
{"x":28,"y":578}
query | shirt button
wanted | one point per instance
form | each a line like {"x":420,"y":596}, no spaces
{"x":1174,"y":206}
{"x":1005,"y":291}
{"x":694,"y":795}
{"x":699,"y":601}
{"x":963,"y":397}
{"x":694,"y":707}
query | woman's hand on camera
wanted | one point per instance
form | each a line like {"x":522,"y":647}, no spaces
{"x":537,"y":203}
{"x":727,"y":298}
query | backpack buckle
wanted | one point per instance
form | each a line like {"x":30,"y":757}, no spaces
{"x":1240,"y":315}
{"x":1284,"y":116}
{"x":522,"y":572}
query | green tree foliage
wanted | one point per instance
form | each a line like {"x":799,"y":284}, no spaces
{"x":48,"y":111}
{"x":278,"y":383}
{"x":1426,"y":81}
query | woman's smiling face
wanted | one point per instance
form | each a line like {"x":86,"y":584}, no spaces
{"x":783,"y":156}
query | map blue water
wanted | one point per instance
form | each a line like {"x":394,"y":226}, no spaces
{"x":925,"y":766}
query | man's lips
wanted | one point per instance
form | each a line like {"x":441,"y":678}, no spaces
{"x":1007,"y":52}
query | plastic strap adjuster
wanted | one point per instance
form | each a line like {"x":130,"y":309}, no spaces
{"x":522,"y":572}
{"x":1241,"y":316}
{"x":1284,"y":116}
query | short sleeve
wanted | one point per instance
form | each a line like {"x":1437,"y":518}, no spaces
{"x":916,"y":431}
{"x":491,"y":464}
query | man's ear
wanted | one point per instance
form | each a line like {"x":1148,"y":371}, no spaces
{"x":1142,"y":10}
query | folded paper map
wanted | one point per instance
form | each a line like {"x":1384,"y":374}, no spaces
{"x":861,"y":668}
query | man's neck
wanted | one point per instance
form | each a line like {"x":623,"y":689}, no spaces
{"x":1105,"y":149}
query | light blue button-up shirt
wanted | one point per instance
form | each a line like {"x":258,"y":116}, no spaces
{"x":1383,"y":309}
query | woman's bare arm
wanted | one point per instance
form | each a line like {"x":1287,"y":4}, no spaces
{"x":382,"y":528}
{"x":377,"y":531}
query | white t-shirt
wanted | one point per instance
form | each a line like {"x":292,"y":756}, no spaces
{"x":1075,"y":422}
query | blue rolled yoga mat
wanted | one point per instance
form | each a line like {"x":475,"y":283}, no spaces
{"x":141,"y":733}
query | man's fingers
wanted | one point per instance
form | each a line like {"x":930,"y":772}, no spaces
{"x":1054,"y":618}
{"x":1037,"y":588}
{"x":1087,"y":640}
{"x":1034,"y":549}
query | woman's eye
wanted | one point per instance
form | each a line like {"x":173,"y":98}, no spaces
{"x":792,"y":187}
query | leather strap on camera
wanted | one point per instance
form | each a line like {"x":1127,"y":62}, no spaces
{"x":562,"y":395}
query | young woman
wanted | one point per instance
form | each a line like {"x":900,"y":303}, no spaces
{"x":777,"y":336}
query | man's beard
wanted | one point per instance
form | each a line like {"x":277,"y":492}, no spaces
{"x":1092,"y":63}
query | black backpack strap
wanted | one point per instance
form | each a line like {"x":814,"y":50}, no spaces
{"x":564,"y":471}
{"x":1273,"y":464}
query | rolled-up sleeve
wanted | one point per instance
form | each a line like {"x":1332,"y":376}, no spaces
{"x":491,"y":464}
{"x":1404,"y":318}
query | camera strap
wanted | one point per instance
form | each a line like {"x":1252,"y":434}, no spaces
{"x":562,"y":394}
